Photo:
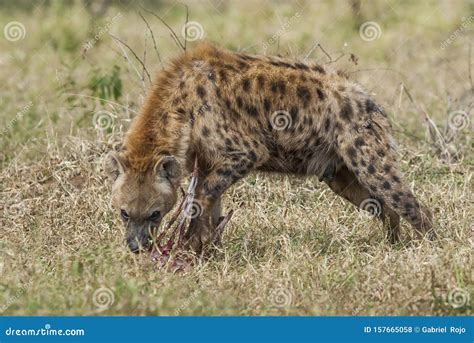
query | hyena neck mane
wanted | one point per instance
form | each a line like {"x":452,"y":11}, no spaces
{"x":163,"y":126}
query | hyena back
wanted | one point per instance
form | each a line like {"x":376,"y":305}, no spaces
{"x":237,"y":113}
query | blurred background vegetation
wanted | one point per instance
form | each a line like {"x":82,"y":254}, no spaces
{"x":64,"y":68}
{"x":53,"y":60}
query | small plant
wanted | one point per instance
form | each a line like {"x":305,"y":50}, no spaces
{"x":106,"y":86}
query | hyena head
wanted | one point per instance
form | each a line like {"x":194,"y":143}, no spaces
{"x":141,"y":199}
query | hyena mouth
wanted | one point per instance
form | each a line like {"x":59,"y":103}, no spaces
{"x":137,"y":247}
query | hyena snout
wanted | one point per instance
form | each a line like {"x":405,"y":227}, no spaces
{"x":139,"y":237}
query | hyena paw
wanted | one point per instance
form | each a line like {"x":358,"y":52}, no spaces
{"x":424,"y":224}
{"x":198,"y":234}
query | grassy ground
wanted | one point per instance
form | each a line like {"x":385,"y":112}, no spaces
{"x":293,"y":247}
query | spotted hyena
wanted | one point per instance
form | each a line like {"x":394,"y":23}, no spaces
{"x":236,"y":113}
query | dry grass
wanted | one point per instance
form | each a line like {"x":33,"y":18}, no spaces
{"x":292,"y":246}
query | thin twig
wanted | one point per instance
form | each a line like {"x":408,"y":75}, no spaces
{"x":325,"y":52}
{"x":153,"y":38}
{"x":377,"y":69}
{"x":407,"y":92}
{"x":101,"y":99}
{"x":186,"y":26}
{"x":338,"y":58}
{"x":433,"y":129}
{"x":400,"y":97}
{"x":220,"y":227}
{"x":140,"y":76}
{"x":449,"y":105}
{"x":245,"y":49}
{"x":144,"y":55}
{"x":469,"y":67}
{"x":172,"y":32}
{"x":310,"y":51}
{"x":134,"y":54}
{"x":291,"y":51}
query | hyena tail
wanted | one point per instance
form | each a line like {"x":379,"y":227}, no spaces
{"x":368,"y":150}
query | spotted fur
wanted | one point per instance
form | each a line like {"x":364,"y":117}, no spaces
{"x":222,"y":107}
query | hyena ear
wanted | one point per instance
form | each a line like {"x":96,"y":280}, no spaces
{"x":113,"y":165}
{"x":169,"y":168}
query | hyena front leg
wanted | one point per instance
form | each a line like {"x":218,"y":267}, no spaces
{"x":216,"y":212}
{"x":344,"y":183}
{"x":216,"y":218}
{"x":207,"y":202}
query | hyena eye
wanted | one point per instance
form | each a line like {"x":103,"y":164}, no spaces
{"x":155,"y":215}
{"x":124,"y":214}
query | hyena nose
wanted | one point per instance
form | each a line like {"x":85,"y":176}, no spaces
{"x":133,"y":245}
{"x":136,"y":244}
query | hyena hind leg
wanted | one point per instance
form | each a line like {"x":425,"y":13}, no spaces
{"x":392,"y":221}
{"x":374,"y":162}
{"x":345,"y":184}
